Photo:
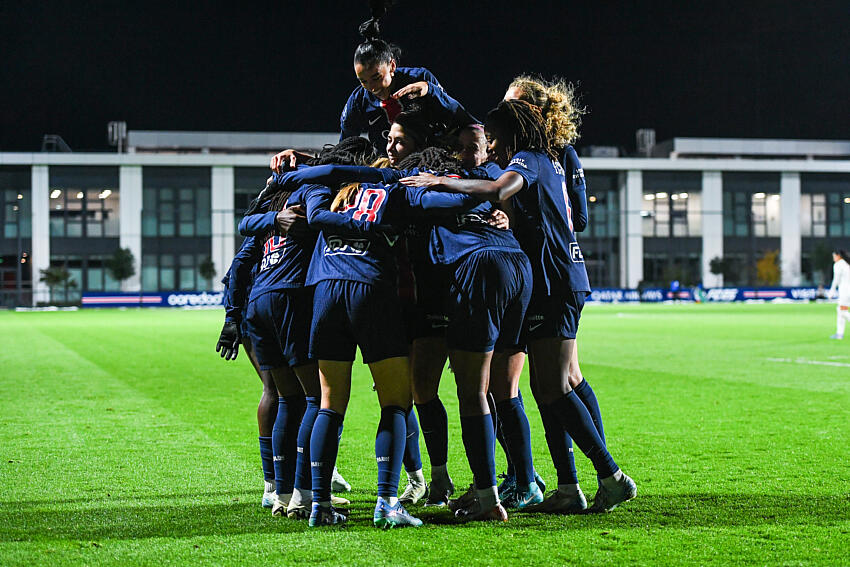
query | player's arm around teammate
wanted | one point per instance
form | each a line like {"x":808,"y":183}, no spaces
{"x":519,"y":144}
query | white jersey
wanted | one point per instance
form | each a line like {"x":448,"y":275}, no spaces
{"x":841,"y":281}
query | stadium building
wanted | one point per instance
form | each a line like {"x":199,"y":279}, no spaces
{"x":174,"y":200}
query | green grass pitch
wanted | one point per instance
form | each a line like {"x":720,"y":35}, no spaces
{"x":126,"y":440}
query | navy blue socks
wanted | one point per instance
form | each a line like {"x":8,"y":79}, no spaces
{"x":324,"y":445}
{"x":560,"y":445}
{"x":389,"y":449}
{"x":435,"y":428}
{"x":412,"y":458}
{"x":303,"y":476}
{"x":480,"y":444}
{"x":284,"y":438}
{"x":576,"y":420}
{"x":500,"y":435}
{"x":266,"y":458}
{"x":588,"y":398}
{"x":517,"y":435}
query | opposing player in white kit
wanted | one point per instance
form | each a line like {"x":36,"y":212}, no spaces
{"x":841,"y":284}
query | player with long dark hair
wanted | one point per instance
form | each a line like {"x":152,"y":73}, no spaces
{"x":534,"y":180}
{"x":384,"y":88}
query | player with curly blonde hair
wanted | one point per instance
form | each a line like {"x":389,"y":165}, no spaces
{"x":562,"y":113}
{"x":558,"y":103}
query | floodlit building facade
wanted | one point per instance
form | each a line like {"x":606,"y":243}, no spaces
{"x":174,"y":200}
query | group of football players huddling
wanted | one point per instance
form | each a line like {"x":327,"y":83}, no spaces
{"x":434,"y":237}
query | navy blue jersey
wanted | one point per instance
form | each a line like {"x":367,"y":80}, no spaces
{"x":576,"y":187}
{"x":283,"y":261}
{"x":239,"y":280}
{"x":489,"y":169}
{"x":545,"y":223}
{"x":452,"y":235}
{"x":363,"y":111}
{"x":257,"y":224}
{"x":370,"y":257}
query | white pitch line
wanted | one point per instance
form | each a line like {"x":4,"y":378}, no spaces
{"x":816,"y":362}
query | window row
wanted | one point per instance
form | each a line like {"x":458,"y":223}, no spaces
{"x":168,"y":272}
{"x":15,"y":203}
{"x":85,"y":273}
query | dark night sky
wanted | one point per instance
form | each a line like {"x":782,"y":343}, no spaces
{"x":725,"y":69}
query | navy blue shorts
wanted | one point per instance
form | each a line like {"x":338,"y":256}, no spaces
{"x":554,"y":315}
{"x":278,"y":323}
{"x":348,"y":314}
{"x":490,"y":293}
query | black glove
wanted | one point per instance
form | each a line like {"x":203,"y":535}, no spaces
{"x":228,"y":342}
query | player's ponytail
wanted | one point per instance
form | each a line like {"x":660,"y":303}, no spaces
{"x":843,"y":254}
{"x":374,"y":50}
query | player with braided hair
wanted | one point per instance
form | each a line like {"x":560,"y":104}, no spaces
{"x":562,"y":114}
{"x":492,"y":286}
{"x":534,"y":181}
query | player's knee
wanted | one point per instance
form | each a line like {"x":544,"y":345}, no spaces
{"x":394,"y":397}
{"x":424,"y":390}
{"x":472,"y":402}
{"x":574,"y":379}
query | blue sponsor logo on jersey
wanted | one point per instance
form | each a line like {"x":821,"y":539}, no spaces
{"x":337,"y":246}
{"x":578,"y":177}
